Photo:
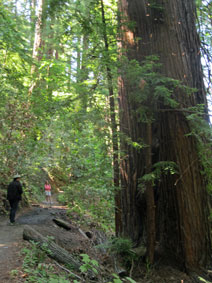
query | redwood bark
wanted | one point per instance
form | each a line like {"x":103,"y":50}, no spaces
{"x":150,"y":202}
{"x":183,"y":228}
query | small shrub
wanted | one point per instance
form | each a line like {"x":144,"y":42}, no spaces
{"x":123,"y":247}
{"x":36,"y":269}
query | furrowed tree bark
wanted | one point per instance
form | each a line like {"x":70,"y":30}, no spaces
{"x":150,"y":202}
{"x":167,"y":30}
{"x":118,"y":221}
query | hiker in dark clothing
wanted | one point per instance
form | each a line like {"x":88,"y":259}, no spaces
{"x":14,"y":192}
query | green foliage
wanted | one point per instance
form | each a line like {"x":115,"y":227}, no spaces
{"x":204,"y":15}
{"x":12,"y":39}
{"x":97,"y":204}
{"x":63,"y":126}
{"x":41,"y":132}
{"x":154,"y":5}
{"x":86,"y":170}
{"x":123,"y":248}
{"x":34,"y":193}
{"x":92,"y":265}
{"x":89,"y":264}
{"x":203,"y":280}
{"x":148,"y":266}
{"x":120,"y":246}
{"x":138,"y":145}
{"x":201,"y":130}
{"x":36,"y":268}
{"x":149,"y":88}
{"x":33,"y":256}
{"x":14,"y":273}
{"x":159,"y":168}
{"x":117,"y":279}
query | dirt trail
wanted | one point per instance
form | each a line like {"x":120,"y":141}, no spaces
{"x":40,"y":218}
{"x":10,"y":245}
{"x":11,"y":237}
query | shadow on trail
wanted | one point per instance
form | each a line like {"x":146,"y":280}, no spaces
{"x":41,"y":215}
{"x":11,"y":237}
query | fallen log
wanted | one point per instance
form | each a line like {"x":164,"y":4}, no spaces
{"x":62,"y":223}
{"x":51,"y":248}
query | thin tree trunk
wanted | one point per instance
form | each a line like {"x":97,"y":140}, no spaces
{"x":118,"y":221}
{"x":150,"y":202}
{"x":36,"y":54}
{"x":78,"y":57}
{"x":84,"y":72}
{"x":32,"y":4}
{"x":38,"y":31}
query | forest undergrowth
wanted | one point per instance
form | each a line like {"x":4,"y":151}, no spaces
{"x":102,"y":256}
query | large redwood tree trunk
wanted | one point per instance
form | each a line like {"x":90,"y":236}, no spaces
{"x":166,"y":29}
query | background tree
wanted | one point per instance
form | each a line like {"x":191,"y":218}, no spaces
{"x":113,"y":119}
{"x":59,"y":135}
{"x":204,"y":13}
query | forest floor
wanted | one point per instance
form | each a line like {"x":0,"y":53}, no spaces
{"x":75,"y":241}
{"x":11,"y":237}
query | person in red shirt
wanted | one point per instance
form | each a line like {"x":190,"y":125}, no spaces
{"x":47,"y":188}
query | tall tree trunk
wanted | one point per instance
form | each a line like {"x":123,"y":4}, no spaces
{"x":78,"y":57}
{"x":84,"y":71}
{"x":166,"y":29}
{"x":150,"y":202}
{"x":36,"y":54}
{"x":32,"y":4}
{"x":118,"y":222}
{"x":38,"y":31}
